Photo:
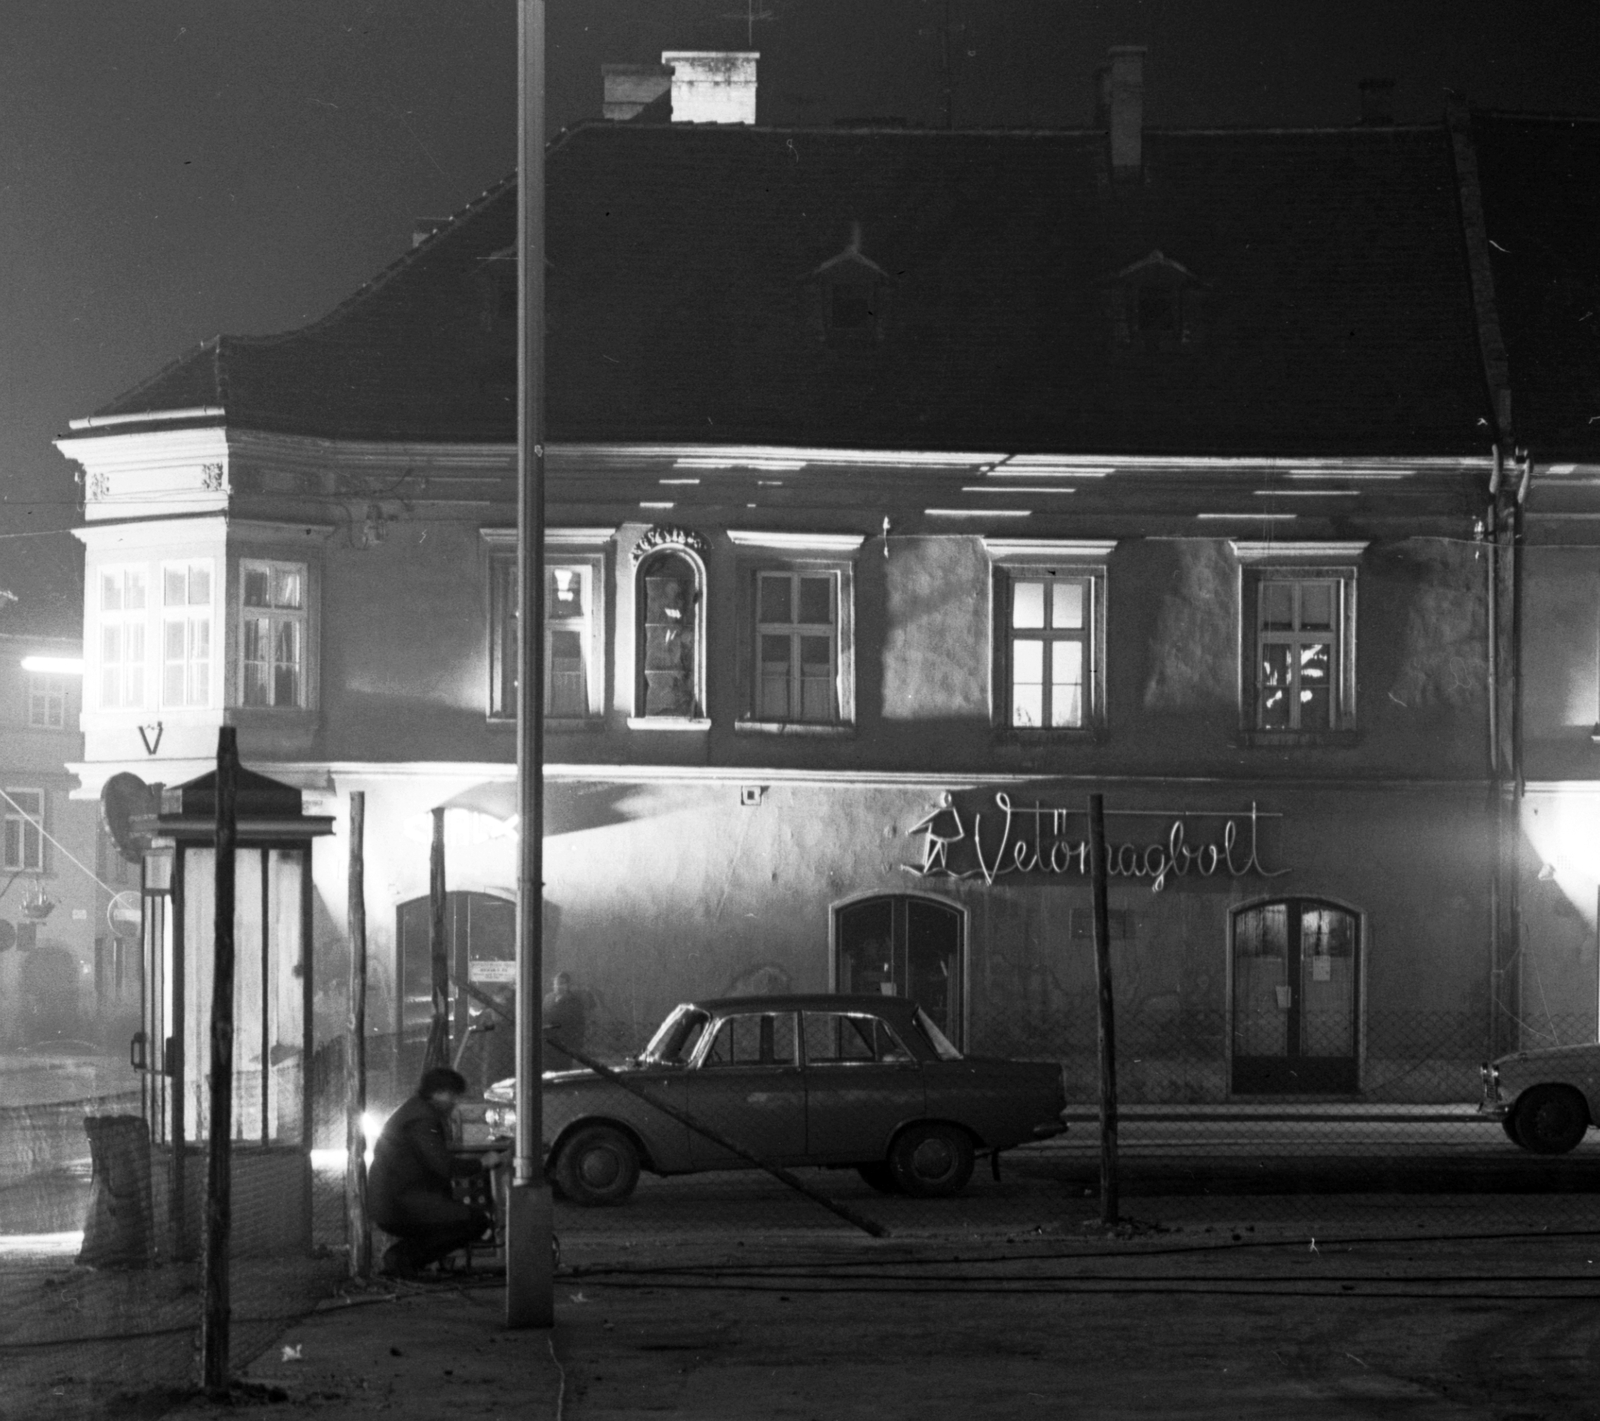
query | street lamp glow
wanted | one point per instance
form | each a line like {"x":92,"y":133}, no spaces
{"x":54,"y":665}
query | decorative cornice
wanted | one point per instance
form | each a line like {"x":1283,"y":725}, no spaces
{"x":553,"y":537}
{"x":798,"y":542}
{"x":1049,"y":547}
{"x":1297,"y":550}
{"x":661,"y":535}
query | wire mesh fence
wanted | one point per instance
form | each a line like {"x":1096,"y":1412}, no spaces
{"x":101,"y":1218}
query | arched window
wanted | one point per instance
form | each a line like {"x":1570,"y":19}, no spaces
{"x":1296,"y":977}
{"x":670,"y":637}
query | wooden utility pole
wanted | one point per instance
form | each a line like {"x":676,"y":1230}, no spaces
{"x":355,"y":1063}
{"x":214,"y":1324}
{"x":438,"y":1052}
{"x":1105,"y":1013}
{"x":530,"y":1269}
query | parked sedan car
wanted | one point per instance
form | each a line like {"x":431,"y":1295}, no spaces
{"x":1546,"y":1099}
{"x":864,"y":1082}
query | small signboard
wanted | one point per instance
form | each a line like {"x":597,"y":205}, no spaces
{"x":123,"y":915}
{"x":492,"y":971}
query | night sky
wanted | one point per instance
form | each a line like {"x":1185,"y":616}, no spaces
{"x":174,"y":169}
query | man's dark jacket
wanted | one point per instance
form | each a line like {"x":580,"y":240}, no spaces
{"x":413,"y":1156}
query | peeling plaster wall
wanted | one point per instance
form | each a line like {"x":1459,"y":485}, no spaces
{"x":1194,"y":646}
{"x":934,"y":653}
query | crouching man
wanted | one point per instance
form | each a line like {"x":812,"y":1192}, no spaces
{"x":408,"y":1186}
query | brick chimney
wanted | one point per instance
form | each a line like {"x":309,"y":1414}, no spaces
{"x":712,"y":86}
{"x":632,"y":88}
{"x":1377,"y":103}
{"x":1122,"y":109}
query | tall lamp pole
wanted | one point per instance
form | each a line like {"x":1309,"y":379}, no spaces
{"x":530,"y":1270}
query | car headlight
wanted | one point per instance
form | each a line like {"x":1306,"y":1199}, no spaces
{"x":1491,"y":1078}
{"x":500,"y":1117}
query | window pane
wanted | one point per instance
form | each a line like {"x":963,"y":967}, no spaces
{"x":1066,"y":605}
{"x":1277,"y":606}
{"x":287,"y":587}
{"x":815,"y":603}
{"x":199,"y":586}
{"x":175,"y":587}
{"x":174,"y":640}
{"x":1275,"y":704}
{"x":1027,"y":662}
{"x":667,"y":600}
{"x":255,"y":684}
{"x":568,"y":691}
{"x":1314,"y":705}
{"x":133,"y":592}
{"x":775,"y":598}
{"x":1316,"y":606}
{"x":257,"y":587}
{"x":1066,"y":683}
{"x":564,"y":593}
{"x":111,"y":592}
{"x":1027,"y":604}
{"x":773,"y":677}
{"x":775,"y":653}
{"x":1027,"y":705}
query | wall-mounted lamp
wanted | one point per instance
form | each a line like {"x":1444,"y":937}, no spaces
{"x":1547,"y":872}
{"x":1594,"y":735}
{"x":750,"y":795}
{"x":69,"y":665}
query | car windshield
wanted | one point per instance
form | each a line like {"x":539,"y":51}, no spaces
{"x":936,"y":1038}
{"x":676,"y":1037}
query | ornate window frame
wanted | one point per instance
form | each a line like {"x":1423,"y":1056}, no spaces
{"x":657,"y":545}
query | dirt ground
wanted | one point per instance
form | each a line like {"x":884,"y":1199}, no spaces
{"x":1191,"y":1323}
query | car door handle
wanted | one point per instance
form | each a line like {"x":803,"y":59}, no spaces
{"x":136,"y":1053}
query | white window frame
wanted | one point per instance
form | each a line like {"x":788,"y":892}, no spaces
{"x":131,"y":673}
{"x":699,"y":719}
{"x":796,"y":555}
{"x":47,"y":695}
{"x":274,"y":616}
{"x":583,"y":551}
{"x":19,"y":826}
{"x":1297,"y":563}
{"x":198,"y":684}
{"x":1043,"y":560}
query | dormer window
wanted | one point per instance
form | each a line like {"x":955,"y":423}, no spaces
{"x":1153,"y":304}
{"x":851,"y":296}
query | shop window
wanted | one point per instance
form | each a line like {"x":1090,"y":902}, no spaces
{"x":22,"y":830}
{"x":186,"y":633}
{"x":272,"y":634}
{"x":1298,"y":683}
{"x":670,"y":656}
{"x":47,"y":701}
{"x":1049,"y":636}
{"x":121,"y":615}
{"x":574,"y":670}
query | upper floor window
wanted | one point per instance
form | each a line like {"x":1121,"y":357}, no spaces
{"x":122,"y":613}
{"x":186,"y":633}
{"x":22,"y":830}
{"x":669,"y":630}
{"x":851,"y":292}
{"x":1299,"y":617}
{"x":574,"y":667}
{"x":47,"y":701}
{"x":797,"y":646}
{"x":1050,"y":633}
{"x":796,"y":610}
{"x":272,"y":633}
{"x":1154,"y":304}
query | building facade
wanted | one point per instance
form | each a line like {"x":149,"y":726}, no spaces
{"x":905,"y":489}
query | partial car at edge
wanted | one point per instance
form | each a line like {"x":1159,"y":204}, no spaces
{"x":1545,"y":1099}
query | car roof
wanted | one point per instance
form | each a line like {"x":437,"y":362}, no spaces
{"x":806,"y":1001}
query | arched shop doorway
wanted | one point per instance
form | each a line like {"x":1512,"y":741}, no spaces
{"x":1296,"y":987}
{"x":480,"y":936}
{"x":908,"y":946}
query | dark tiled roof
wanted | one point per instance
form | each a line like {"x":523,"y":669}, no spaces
{"x":1333,"y":308}
{"x":1541,"y":197}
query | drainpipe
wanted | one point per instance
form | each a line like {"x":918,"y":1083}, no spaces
{"x":1496,"y":835}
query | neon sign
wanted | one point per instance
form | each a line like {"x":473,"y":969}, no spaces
{"x":1045,"y":846}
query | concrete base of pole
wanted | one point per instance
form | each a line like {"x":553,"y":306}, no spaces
{"x":530,"y":1256}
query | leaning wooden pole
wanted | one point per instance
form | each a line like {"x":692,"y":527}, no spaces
{"x":214,"y":1324}
{"x":1105,"y":1012}
{"x":355,"y":1062}
{"x":438,"y":1053}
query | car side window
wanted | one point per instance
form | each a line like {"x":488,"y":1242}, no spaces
{"x":756,"y":1039}
{"x":842,"y":1038}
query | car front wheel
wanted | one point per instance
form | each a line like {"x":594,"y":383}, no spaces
{"x":1550,"y":1119}
{"x":598,"y":1165}
{"x":931,"y":1161}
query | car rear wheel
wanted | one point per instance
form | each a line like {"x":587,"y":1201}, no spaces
{"x":1550,"y":1119}
{"x":931,"y":1161}
{"x":1508,"y":1123}
{"x":878,"y":1176}
{"x":598,"y":1165}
